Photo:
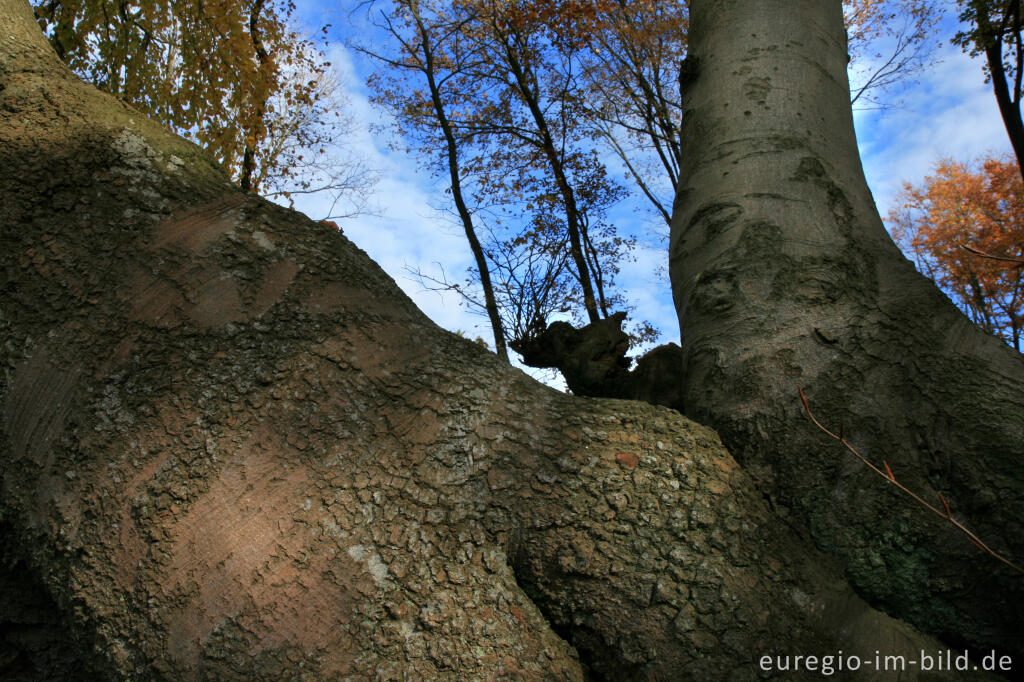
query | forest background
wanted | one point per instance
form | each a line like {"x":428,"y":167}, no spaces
{"x":944,"y":111}
{"x":388,"y":186}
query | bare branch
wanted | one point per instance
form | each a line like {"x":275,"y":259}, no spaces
{"x":1004,"y":259}
{"x":888,"y":475}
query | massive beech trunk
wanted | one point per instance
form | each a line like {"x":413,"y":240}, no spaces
{"x":784,"y":276}
{"x":232,"y":449}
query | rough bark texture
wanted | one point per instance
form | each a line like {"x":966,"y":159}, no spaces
{"x":231,"y":448}
{"x":784,"y":276}
{"x":35,"y":643}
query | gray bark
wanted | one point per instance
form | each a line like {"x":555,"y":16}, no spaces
{"x":231,"y":448}
{"x":783,"y":276}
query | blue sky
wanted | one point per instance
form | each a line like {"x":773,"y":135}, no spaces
{"x":948,"y":111}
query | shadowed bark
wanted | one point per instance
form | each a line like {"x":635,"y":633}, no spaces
{"x":783,"y":277}
{"x":233,"y":449}
{"x":593,"y":361}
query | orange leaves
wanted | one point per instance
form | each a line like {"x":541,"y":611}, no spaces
{"x":962,"y":208}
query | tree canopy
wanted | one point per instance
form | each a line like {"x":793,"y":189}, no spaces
{"x":231,"y":75}
{"x":978,"y":205}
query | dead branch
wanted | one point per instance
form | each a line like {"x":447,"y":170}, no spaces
{"x":979,"y":252}
{"x":888,"y":475}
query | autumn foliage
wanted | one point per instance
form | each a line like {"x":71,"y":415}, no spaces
{"x":230,"y":75}
{"x":978,"y":205}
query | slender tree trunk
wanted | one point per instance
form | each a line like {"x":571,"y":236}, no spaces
{"x":257,"y":133}
{"x":455,"y":175}
{"x":547,"y":146}
{"x":232,"y":449}
{"x":1009,"y":103}
{"x":784,"y":277}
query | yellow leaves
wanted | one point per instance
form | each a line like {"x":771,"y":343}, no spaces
{"x":199,"y":67}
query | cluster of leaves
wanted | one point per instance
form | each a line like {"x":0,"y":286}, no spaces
{"x":981,"y":206}
{"x":994,"y":23}
{"x":228,"y":74}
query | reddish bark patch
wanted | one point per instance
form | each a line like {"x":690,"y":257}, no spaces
{"x":204,"y":293}
{"x":627,"y":459}
{"x":217,"y":300}
{"x":155,"y":301}
{"x":275,"y":282}
{"x":193,"y":230}
{"x":240,"y":556}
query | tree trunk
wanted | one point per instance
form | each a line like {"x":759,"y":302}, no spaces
{"x":784,"y":277}
{"x":231,"y":448}
{"x":258,"y":131}
{"x":483,"y":268}
{"x":1008,"y":101}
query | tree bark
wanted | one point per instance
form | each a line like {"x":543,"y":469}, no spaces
{"x":231,"y":448}
{"x":784,"y":277}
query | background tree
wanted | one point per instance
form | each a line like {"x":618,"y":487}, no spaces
{"x":996,"y":32}
{"x":980,"y":205}
{"x":503,"y":104}
{"x":535,"y":124}
{"x":630,"y":83}
{"x":430,"y":46}
{"x":229,"y":74}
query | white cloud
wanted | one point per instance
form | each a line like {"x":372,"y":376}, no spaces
{"x":644,"y":281}
{"x":950,"y":112}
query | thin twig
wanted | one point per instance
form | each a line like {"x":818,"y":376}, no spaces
{"x":979,"y":252}
{"x":889,"y":476}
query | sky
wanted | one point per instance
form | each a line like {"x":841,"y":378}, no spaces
{"x":949,"y":111}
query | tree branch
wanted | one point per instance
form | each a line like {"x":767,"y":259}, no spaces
{"x":889,"y":476}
